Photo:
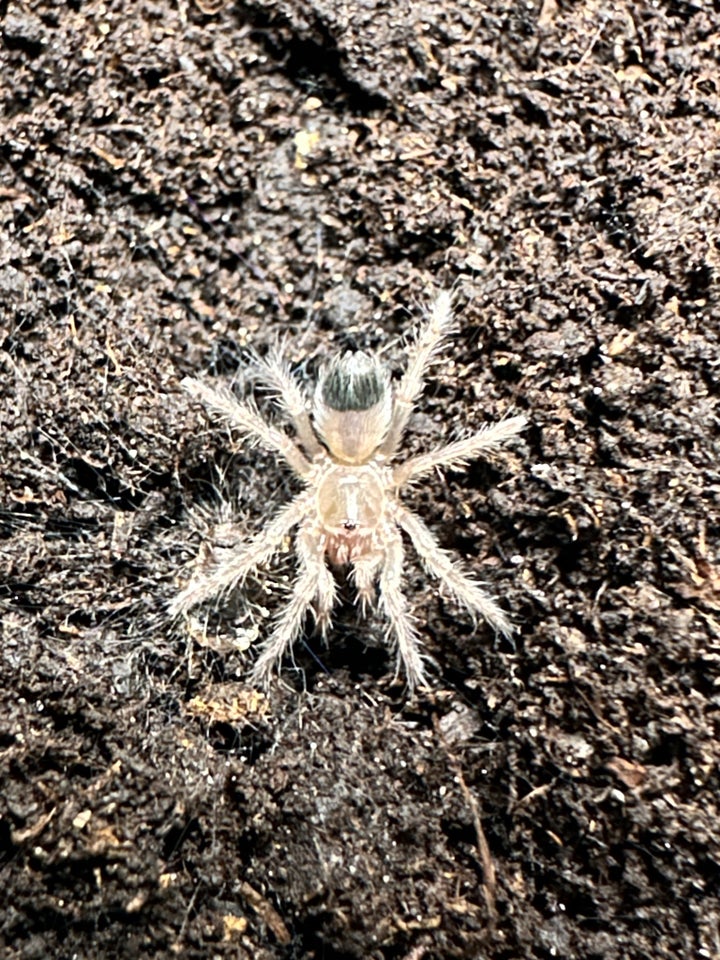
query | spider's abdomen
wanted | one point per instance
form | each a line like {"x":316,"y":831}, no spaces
{"x":353,"y":407}
{"x":350,"y":505}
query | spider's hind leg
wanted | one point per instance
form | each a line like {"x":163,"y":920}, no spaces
{"x":223,"y":403}
{"x":422,"y":354}
{"x":273,"y":373}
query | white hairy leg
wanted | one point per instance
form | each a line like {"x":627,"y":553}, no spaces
{"x":460,"y":452}
{"x":438,"y":563}
{"x":311,"y":573}
{"x":223,"y":403}
{"x":423,"y":354}
{"x":395,"y":606}
{"x":326,"y":590}
{"x":273,"y":372}
{"x":225,"y":575}
{"x":365,"y":572}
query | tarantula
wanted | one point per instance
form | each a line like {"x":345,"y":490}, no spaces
{"x":349,"y":511}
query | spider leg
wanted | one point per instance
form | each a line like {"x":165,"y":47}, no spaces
{"x":422,"y":355}
{"x":460,"y":452}
{"x":326,"y":590}
{"x":226,"y":574}
{"x":438,"y":563}
{"x":311,"y":582}
{"x":395,"y":606}
{"x":223,"y":403}
{"x":365,"y":571}
{"x":273,"y":372}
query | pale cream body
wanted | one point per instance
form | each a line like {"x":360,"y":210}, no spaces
{"x":351,"y":504}
{"x":350,"y":511}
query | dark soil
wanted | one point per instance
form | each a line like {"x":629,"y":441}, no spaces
{"x":180,"y":180}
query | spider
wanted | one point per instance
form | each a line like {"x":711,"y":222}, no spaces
{"x":349,"y":511}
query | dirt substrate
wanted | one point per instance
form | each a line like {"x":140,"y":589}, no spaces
{"x":180,"y":180}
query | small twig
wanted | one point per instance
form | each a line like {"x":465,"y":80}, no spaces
{"x":417,"y":953}
{"x":489,"y":885}
{"x":533,"y":795}
{"x":186,"y":918}
{"x":31,"y":833}
{"x":591,"y":46}
{"x":267,"y":913}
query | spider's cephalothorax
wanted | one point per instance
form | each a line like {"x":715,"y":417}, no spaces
{"x":350,"y":511}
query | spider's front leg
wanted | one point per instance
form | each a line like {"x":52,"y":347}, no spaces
{"x":396,"y":608}
{"x":325,"y":592}
{"x":365,"y":572}
{"x":438,"y":563}
{"x":214,"y":578}
{"x":314,"y":581}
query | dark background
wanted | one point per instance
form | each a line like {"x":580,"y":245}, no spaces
{"x":180,"y":180}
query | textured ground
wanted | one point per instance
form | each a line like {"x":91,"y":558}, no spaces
{"x":181,"y":179}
